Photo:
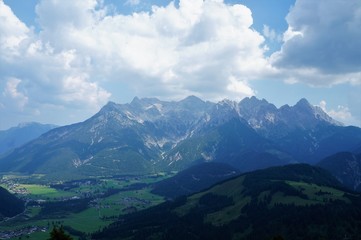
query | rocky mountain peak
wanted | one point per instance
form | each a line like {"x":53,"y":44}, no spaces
{"x":304,"y":106}
{"x":150,"y":133}
{"x":253,"y":105}
{"x":303,"y":102}
{"x":254,"y":101}
{"x":192,"y":102}
{"x":110,"y":106}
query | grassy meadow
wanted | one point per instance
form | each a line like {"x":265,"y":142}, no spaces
{"x":105,"y":199}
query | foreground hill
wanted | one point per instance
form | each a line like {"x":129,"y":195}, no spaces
{"x":150,"y":135}
{"x":9,"y":204}
{"x":346,"y":167}
{"x":194,"y":179}
{"x":21,"y":134}
{"x":293,"y":202}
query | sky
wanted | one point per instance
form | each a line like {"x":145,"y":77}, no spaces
{"x":61,"y":61}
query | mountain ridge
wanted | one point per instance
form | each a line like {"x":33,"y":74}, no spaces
{"x":291,"y":202}
{"x":346,"y":167}
{"x":148,"y":135}
{"x":21,"y":134}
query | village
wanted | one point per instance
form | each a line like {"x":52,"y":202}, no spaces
{"x":21,"y":232}
{"x":102,"y":200}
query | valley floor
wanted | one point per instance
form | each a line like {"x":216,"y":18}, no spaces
{"x":81,"y":206}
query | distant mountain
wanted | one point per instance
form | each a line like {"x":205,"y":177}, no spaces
{"x":290,"y":202}
{"x":304,"y":131}
{"x":9,"y":204}
{"x":149,"y":135}
{"x":129,"y":138}
{"x":346,"y":167}
{"x":23,"y":133}
{"x":266,"y":118}
{"x":194,"y":179}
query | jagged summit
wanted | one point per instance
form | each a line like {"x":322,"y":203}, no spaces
{"x":258,"y":113}
{"x":253,"y":100}
{"x":265,"y":116}
{"x":110,"y":104}
{"x":151,"y":134}
{"x":135,"y":100}
{"x":144,"y":102}
{"x":303,"y":102}
{"x":192,"y":98}
{"x":192,"y":102}
{"x":107,"y":108}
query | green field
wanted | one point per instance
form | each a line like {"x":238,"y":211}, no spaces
{"x":308,"y":194}
{"x":316,"y":194}
{"x":34,"y":189}
{"x":101,"y":210}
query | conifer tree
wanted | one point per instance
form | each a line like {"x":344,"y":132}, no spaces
{"x":59,"y":234}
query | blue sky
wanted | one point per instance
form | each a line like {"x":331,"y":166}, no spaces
{"x":61,"y":61}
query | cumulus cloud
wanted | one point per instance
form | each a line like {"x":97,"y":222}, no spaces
{"x":322,"y":45}
{"x":240,"y":87}
{"x":193,"y":48}
{"x":81,"y":51}
{"x":271,"y":34}
{"x":44,"y":68}
{"x":84,"y":52}
{"x":15,"y":96}
{"x":12,"y":30}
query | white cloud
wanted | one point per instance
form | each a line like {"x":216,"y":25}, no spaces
{"x":194,"y":48}
{"x":240,"y":88}
{"x":13,"y":95}
{"x":271,"y":34}
{"x":341,"y":114}
{"x":42,"y":66}
{"x":82,"y":54}
{"x":322,"y":45}
{"x":13,"y":32}
{"x":77,"y":88}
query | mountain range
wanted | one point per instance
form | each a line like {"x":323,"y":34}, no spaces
{"x":21,"y":134}
{"x":150,"y":135}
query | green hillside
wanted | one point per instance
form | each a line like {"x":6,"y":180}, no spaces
{"x":9,"y":204}
{"x":294,"y":202}
{"x":194,"y":179}
{"x":346,"y":167}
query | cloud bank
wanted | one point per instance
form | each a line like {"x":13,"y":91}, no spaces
{"x":200,"y":47}
{"x":322,"y":46}
{"x":84,"y":53}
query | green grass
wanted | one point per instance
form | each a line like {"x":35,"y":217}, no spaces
{"x":95,"y":217}
{"x":227,"y":214}
{"x":41,"y":191}
{"x":234,"y":188}
{"x":35,"y":189}
{"x":38,"y":236}
{"x":87,"y":221}
{"x":313,"y":192}
{"x":143,"y":194}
